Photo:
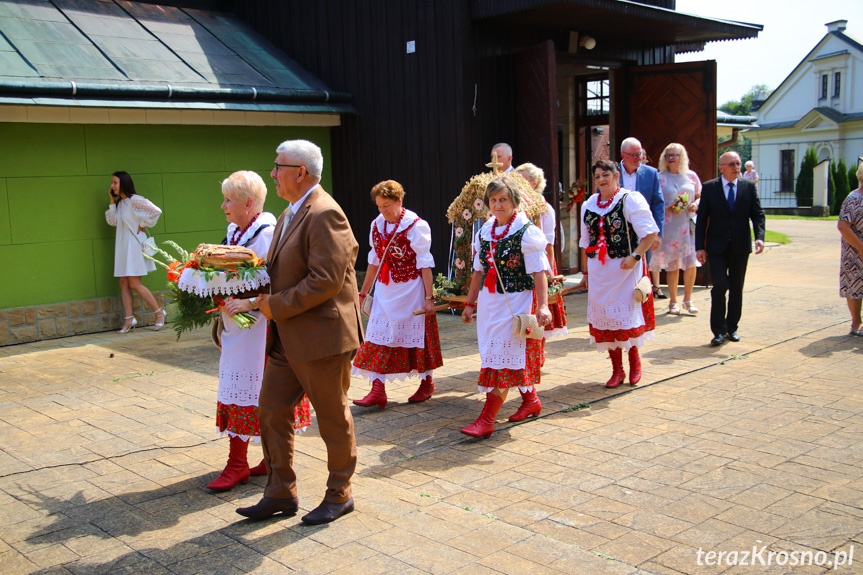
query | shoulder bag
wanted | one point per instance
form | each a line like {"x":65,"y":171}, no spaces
{"x":643,"y":287}
{"x":148,"y":244}
{"x":367,"y":303}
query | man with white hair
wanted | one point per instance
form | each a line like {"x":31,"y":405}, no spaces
{"x":314,"y":335}
{"x":636,"y":176}
{"x":504,"y":156}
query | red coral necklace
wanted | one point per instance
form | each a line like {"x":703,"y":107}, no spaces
{"x":602,"y":204}
{"x":496,"y":237}
{"x":388,"y":235}
{"x":238,"y":233}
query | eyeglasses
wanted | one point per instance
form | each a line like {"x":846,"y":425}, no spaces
{"x":672,"y":155}
{"x":638,"y":155}
{"x":731,"y":164}
{"x":278,"y":165}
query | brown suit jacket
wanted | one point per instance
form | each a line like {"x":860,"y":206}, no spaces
{"x":313,"y":284}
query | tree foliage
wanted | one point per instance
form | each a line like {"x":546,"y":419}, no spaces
{"x":805,"y":180}
{"x":743,"y":107}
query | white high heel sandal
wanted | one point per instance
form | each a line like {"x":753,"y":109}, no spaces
{"x":160,"y":324}
{"x":131,"y":325}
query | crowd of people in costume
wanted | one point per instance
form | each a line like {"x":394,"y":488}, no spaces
{"x":274,"y":372}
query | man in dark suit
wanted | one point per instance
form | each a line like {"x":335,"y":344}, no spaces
{"x":722,"y":239}
{"x":315,"y":332}
{"x":638,"y":177}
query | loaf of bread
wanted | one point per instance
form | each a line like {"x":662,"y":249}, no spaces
{"x":218,"y":256}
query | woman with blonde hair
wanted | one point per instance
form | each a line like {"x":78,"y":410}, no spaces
{"x":681,"y":190}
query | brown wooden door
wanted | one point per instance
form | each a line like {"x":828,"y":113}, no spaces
{"x":536,"y":107}
{"x":675,"y":103}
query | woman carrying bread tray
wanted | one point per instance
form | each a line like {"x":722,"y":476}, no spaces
{"x":132,"y":214}
{"x":241,"y":363}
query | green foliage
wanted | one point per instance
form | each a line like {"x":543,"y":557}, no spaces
{"x":840,"y":176}
{"x":831,"y":188}
{"x":192,"y":310}
{"x":743,"y":107}
{"x":444,"y":288}
{"x":805,"y":180}
{"x":743,"y":147}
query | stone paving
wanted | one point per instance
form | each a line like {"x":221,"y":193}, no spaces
{"x":108,"y":442}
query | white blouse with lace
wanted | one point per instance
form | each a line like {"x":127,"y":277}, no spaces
{"x":127,"y":215}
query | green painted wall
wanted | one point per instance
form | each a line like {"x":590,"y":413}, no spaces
{"x":54,"y":241}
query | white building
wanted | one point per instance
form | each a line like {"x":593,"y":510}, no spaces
{"x":819,"y":104}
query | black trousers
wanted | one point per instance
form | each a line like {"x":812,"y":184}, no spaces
{"x":728,"y":270}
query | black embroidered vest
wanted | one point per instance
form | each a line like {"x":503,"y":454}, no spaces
{"x":510,"y":262}
{"x":615,"y":231}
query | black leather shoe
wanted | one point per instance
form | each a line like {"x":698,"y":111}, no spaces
{"x":717,"y":340}
{"x":326,"y":512}
{"x":734,"y":336}
{"x":269,"y":506}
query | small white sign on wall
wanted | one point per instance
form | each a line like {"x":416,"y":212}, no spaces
{"x":412,"y":47}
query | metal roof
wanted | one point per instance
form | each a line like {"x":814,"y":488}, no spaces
{"x":616,"y":18}
{"x":83,"y":51}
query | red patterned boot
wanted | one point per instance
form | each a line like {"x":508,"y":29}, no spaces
{"x":237,"y":470}
{"x":484,"y":424}
{"x":634,"y":365}
{"x":377,"y":396}
{"x":425,"y":391}
{"x":530,"y":405}
{"x":617,"y":376}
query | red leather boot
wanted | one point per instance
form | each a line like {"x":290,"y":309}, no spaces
{"x":634,"y":365}
{"x":530,"y":405}
{"x":237,"y":470}
{"x":484,"y":424}
{"x":377,"y":396}
{"x":617,"y":376}
{"x":259,"y":469}
{"x":425,"y":391}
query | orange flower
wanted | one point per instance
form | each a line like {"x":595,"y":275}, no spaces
{"x":175,"y":269}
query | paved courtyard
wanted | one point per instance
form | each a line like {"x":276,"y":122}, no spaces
{"x":107,"y":443}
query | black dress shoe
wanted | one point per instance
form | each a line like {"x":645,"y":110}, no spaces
{"x":269,"y":506}
{"x":658,"y":294}
{"x":734,"y":336}
{"x":326,"y":512}
{"x":717,"y":340}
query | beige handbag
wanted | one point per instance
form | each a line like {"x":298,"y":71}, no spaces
{"x":524,"y":325}
{"x":643,"y":287}
{"x":366,"y":308}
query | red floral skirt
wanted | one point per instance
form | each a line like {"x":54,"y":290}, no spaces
{"x":507,"y":378}
{"x":243,"y":420}
{"x":401,"y":361}
{"x":612,"y":335}
{"x":558,"y":314}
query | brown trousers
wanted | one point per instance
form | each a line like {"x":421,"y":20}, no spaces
{"x":326,"y":382}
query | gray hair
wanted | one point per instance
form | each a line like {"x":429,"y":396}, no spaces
{"x":505,"y":147}
{"x":534,"y":173}
{"x":304,"y":153}
{"x":503,"y":183}
{"x":628,"y":143}
{"x":749,"y":163}
{"x":244,"y":185}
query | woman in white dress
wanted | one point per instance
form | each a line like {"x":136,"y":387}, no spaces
{"x":517,"y":248}
{"x":132,"y":214}
{"x":241,"y":363}
{"x":399,"y":344}
{"x":616,"y":321}
{"x":677,"y":251}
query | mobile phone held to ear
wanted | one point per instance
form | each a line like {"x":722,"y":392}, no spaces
{"x":113,"y":195}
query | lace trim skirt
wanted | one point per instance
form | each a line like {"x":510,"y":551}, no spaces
{"x":524,"y":379}
{"x":376,"y":361}
{"x":242,"y":421}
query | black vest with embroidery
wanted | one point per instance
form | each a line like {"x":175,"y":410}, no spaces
{"x":615,"y":231}
{"x":510,"y":262}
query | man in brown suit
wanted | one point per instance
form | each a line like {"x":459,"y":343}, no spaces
{"x":314,"y":335}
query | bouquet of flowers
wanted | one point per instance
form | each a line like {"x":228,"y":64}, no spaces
{"x":680,"y":202}
{"x":198,"y":290}
{"x":576,"y":193}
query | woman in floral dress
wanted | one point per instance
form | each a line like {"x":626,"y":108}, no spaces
{"x":851,"y":269}
{"x":241,"y":363}
{"x":399,"y":344}
{"x":517,"y":247}
{"x":677,"y":251}
{"x":616,"y":321}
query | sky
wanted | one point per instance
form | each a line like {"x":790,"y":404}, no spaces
{"x":791,"y":29}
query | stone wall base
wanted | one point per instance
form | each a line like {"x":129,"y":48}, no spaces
{"x":27,"y":324}
{"x":813,"y":211}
